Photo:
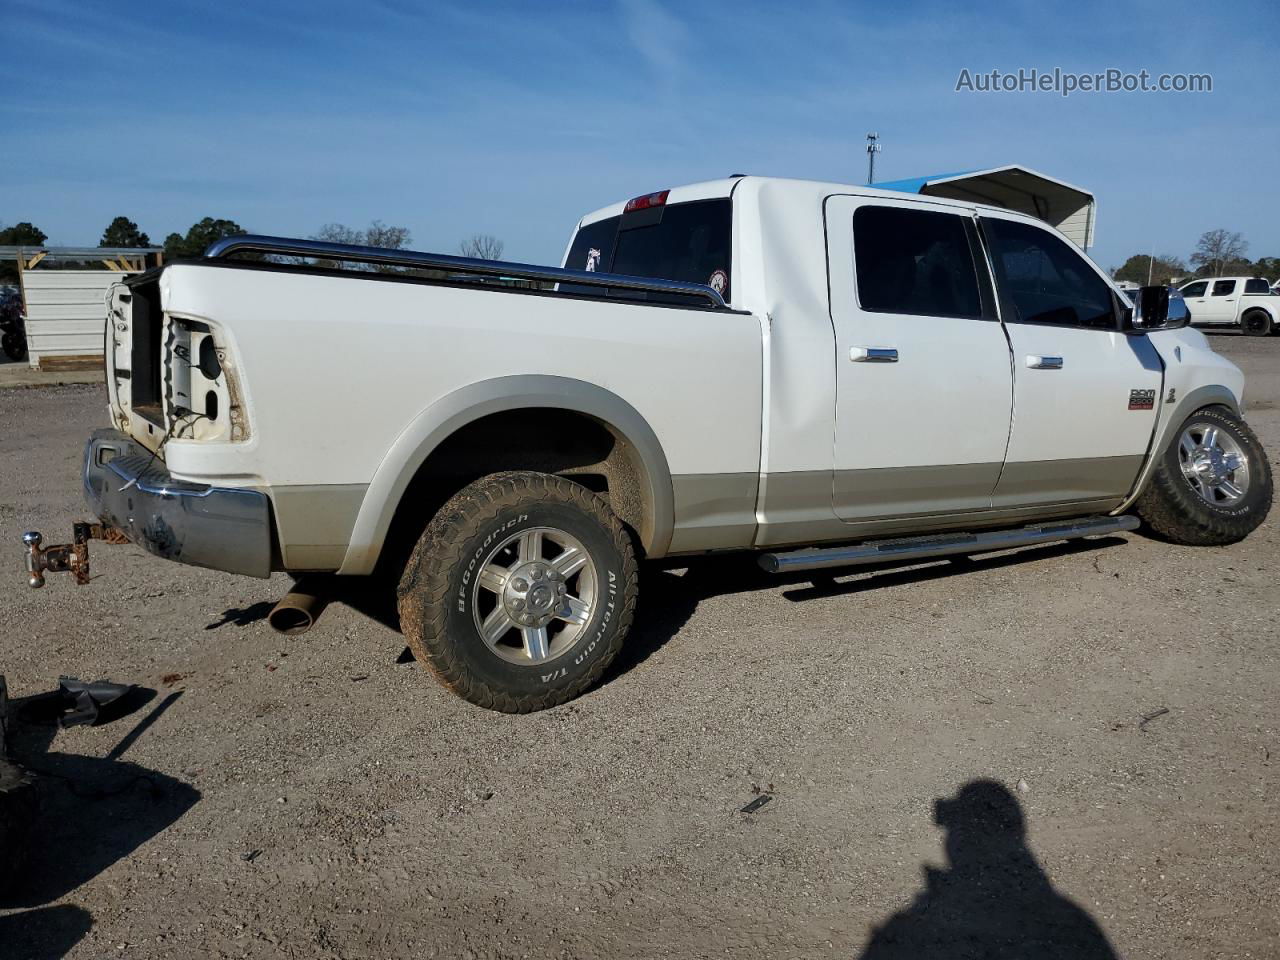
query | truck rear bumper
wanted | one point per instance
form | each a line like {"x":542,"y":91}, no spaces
{"x":221,"y":528}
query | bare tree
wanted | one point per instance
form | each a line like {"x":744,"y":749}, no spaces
{"x":339,"y":233}
{"x":482,"y":246}
{"x":378,"y":235}
{"x":381,"y":235}
{"x":1216,"y":249}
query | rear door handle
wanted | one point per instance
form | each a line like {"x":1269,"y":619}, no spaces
{"x":1044,"y":363}
{"x":873,"y":354}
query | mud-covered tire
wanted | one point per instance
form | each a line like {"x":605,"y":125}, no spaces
{"x":1173,"y":508}
{"x":17,"y":820}
{"x":439,"y":600}
{"x":1257,"y":323}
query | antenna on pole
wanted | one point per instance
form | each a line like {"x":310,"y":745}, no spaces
{"x":873,"y":147}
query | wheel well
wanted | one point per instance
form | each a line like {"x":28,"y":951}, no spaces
{"x":549,"y":440}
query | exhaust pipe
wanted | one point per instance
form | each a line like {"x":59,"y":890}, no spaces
{"x":299,"y":609}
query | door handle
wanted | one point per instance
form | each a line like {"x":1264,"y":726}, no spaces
{"x":873,"y":354}
{"x":1044,"y":363}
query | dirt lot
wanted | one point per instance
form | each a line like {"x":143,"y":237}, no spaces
{"x":322,"y":797}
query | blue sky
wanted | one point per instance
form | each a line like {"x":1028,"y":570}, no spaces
{"x":516,"y":118}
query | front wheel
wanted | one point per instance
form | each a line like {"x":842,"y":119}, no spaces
{"x":520,"y":591}
{"x":1212,"y":486}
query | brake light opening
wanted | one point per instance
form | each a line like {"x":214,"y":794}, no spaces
{"x":658,"y":199}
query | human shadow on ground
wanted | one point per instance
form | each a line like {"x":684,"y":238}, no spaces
{"x":92,"y":811}
{"x":994,"y":901}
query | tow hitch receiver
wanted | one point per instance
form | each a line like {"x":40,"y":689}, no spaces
{"x":71,"y":557}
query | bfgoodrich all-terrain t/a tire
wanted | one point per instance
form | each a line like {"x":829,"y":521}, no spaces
{"x":520,"y":591}
{"x":1212,"y":486}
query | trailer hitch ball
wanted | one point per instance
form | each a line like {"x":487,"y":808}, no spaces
{"x":70,"y":558}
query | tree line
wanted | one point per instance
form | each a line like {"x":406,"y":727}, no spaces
{"x":123,"y":232}
{"x":1218,"y":253}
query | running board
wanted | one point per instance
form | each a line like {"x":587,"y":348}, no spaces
{"x":923,"y":548}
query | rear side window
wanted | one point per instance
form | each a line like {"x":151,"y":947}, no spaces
{"x":1042,"y":279}
{"x":914,"y":261}
{"x":1256,"y":286}
{"x":592,"y":248}
{"x":1195,"y":289}
{"x":1223,"y":288}
{"x":689,"y":242}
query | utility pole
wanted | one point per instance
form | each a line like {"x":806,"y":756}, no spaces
{"x":873,"y":147}
{"x":1151,"y":264}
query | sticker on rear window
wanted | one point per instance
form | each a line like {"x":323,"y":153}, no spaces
{"x":719,"y":282}
{"x":593,"y":260}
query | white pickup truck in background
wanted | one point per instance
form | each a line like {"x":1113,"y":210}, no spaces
{"x":1245,"y":302}
{"x":825,"y":374}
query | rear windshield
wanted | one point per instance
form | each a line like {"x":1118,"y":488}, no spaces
{"x":690,"y":242}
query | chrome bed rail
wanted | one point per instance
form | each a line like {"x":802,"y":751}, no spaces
{"x":283,"y":246}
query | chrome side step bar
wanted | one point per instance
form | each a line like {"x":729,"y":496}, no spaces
{"x":943,"y":545}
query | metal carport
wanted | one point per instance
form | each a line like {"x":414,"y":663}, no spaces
{"x":1069,"y":208}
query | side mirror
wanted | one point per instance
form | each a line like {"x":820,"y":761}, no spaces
{"x":1156,"y":308}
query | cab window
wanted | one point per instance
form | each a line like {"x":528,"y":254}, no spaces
{"x":1195,"y":289}
{"x":914,"y":261}
{"x":1223,"y":288}
{"x":1256,"y":286}
{"x":1042,"y":279}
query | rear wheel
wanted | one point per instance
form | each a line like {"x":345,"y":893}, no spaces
{"x":1213,"y":484}
{"x":520,"y":591}
{"x":1256,"y":323}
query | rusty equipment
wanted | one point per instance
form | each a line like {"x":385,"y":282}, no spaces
{"x":71,"y":557}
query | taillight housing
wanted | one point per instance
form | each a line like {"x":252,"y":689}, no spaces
{"x":658,"y":199}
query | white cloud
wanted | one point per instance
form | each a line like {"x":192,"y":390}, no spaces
{"x":659,"y":37}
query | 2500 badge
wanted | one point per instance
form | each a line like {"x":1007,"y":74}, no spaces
{"x":1142,"y":399}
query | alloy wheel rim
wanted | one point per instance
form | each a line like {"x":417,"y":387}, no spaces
{"x":534,"y":595}
{"x":1214,"y":464}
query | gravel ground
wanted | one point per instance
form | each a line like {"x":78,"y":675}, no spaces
{"x":320,"y":796}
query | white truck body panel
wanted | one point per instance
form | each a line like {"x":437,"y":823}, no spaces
{"x":755,"y":425}
{"x":934,"y":423}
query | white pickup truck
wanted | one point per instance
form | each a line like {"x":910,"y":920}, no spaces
{"x":1245,"y":302}
{"x":825,"y":374}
